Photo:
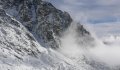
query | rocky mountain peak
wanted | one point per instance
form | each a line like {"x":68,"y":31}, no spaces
{"x":42,"y":19}
{"x":27,"y":26}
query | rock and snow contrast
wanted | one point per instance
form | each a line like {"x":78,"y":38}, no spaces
{"x":34,"y":35}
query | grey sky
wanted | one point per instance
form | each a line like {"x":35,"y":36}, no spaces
{"x":97,"y":12}
{"x":90,"y":9}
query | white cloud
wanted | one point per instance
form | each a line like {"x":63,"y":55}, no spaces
{"x":84,"y":10}
{"x":90,"y":8}
{"x":108,"y":2}
{"x":103,"y":29}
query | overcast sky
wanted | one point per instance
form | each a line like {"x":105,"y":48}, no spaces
{"x":93,"y":12}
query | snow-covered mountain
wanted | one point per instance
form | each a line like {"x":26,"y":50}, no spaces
{"x":34,"y":35}
{"x":39,"y":17}
{"x":21,"y":51}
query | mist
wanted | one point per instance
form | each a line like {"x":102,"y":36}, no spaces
{"x":105,"y":53}
{"x":69,"y":46}
{"x":108,"y":53}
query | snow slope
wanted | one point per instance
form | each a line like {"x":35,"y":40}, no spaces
{"x":20,"y":49}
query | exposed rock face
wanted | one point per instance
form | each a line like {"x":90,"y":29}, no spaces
{"x":40,"y":17}
{"x":13,"y":36}
{"x":84,"y":38}
{"x":20,"y":50}
{"x":45,"y":21}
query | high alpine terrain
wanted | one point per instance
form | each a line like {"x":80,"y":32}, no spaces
{"x":34,"y":35}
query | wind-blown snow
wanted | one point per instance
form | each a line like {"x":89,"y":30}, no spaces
{"x":106,"y":51}
{"x":71,"y":56}
{"x":69,"y":45}
{"x":19,"y":50}
{"x":110,"y":51}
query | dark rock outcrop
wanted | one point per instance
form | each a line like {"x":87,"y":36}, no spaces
{"x":40,"y":17}
{"x":15,"y":37}
{"x":84,"y":38}
{"x":43,"y":20}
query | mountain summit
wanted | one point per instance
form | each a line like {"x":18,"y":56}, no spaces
{"x":39,"y":17}
{"x":31,"y":33}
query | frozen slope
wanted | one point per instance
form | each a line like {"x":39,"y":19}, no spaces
{"x":19,"y":50}
{"x":40,"y":17}
{"x":25,"y":25}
